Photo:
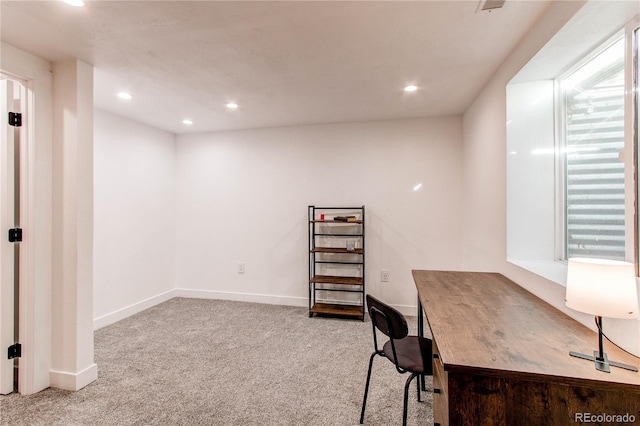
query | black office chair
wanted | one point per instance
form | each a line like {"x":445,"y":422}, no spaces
{"x":410,"y":354}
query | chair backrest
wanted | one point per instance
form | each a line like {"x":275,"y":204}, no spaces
{"x":387,"y":319}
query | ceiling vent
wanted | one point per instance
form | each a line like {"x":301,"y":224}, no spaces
{"x":489,"y":5}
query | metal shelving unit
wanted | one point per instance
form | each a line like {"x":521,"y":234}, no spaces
{"x":337,"y":261}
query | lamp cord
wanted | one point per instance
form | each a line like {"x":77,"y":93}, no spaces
{"x":611,"y":341}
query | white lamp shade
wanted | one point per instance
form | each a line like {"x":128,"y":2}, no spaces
{"x":602,"y":287}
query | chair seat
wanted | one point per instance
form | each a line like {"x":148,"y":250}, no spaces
{"x":414,"y":354}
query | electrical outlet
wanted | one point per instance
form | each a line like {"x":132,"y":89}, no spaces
{"x":241,"y":267}
{"x":384,"y":275}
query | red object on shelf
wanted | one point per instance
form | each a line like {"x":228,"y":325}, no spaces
{"x":321,"y":216}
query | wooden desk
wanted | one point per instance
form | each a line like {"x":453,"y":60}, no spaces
{"x":501,"y":357}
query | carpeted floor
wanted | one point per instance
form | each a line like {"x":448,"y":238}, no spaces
{"x":212,"y":362}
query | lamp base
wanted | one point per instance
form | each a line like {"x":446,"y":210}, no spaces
{"x":603,"y":363}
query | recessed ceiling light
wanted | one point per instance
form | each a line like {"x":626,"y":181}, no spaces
{"x":124,"y":95}
{"x":187,"y":122}
{"x":410,"y":88}
{"x":75,"y":3}
{"x":232,"y":105}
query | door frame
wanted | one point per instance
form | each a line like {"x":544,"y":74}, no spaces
{"x":7,"y":249}
{"x":26,"y":331}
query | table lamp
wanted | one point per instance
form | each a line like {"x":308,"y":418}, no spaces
{"x":603,"y":288}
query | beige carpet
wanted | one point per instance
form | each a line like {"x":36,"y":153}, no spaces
{"x":212,"y":362}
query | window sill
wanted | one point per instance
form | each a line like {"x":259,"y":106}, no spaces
{"x":553,"y":270}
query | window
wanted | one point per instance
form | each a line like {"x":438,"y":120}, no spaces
{"x":572,"y":145}
{"x":592,"y":145}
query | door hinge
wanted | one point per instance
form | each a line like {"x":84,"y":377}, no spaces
{"x":15,"y":119}
{"x":15,"y":235}
{"x":15,"y":351}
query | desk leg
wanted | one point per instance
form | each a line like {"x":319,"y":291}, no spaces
{"x":421,"y":334}
{"x":420,"y":320}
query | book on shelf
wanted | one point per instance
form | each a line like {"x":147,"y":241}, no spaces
{"x":345,"y":218}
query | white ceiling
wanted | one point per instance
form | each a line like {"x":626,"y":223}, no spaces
{"x":284,"y":63}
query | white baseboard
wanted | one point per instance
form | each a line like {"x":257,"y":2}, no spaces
{"x":241,"y":297}
{"x":125,"y":312}
{"x":407,"y":310}
{"x":73,"y":381}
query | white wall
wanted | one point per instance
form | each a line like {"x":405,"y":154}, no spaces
{"x":484,"y":163}
{"x":134,"y":254}
{"x":242,"y":196}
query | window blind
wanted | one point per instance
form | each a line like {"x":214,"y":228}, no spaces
{"x":594,"y":137}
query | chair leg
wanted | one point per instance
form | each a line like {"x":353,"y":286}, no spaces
{"x":366,"y":387}
{"x":418,"y":383}
{"x":406,"y":397}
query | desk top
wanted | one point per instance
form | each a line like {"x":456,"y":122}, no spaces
{"x":484,"y":323}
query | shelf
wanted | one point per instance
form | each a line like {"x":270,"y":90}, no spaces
{"x":342,"y":222}
{"x":338,"y":262}
{"x":331,"y":279}
{"x":350,"y":311}
{"x":333,"y":234}
{"x":337,"y":250}
{"x":337,"y":275}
